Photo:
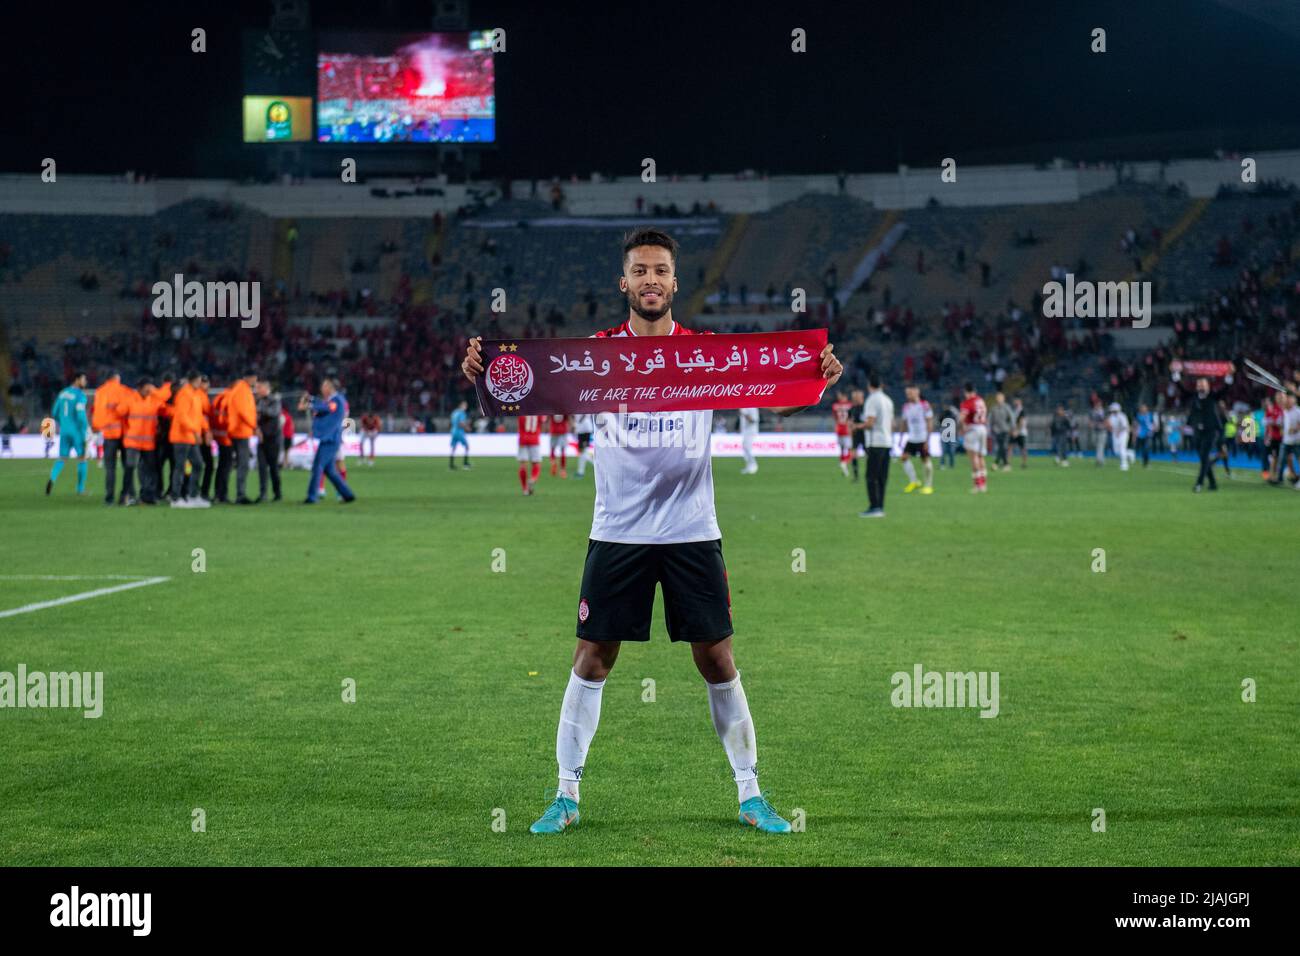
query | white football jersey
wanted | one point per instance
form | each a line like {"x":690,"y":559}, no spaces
{"x":584,"y":424}
{"x":1119,"y":423}
{"x":915,"y":415}
{"x":650,"y":487}
{"x":749,"y":421}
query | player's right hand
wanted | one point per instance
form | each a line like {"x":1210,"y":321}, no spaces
{"x":473,"y":364}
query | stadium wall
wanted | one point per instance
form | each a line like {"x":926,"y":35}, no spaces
{"x":907,"y":188}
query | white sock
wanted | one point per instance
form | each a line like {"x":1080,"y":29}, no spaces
{"x":579,"y":715}
{"x":730,"y":712}
{"x":929,"y":473}
{"x":910,"y":470}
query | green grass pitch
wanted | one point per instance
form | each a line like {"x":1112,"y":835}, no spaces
{"x":1119,"y":690}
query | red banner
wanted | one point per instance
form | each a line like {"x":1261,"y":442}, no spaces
{"x":1205,"y":369}
{"x":657,"y":373}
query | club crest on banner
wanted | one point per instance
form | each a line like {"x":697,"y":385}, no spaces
{"x":509,"y":378}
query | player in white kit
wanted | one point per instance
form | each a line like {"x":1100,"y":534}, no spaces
{"x":748,"y":432}
{"x":584,"y":426}
{"x":1117,"y":425}
{"x":654,"y":525}
{"x":918,"y":419}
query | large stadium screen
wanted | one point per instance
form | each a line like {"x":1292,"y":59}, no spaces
{"x":405,"y":88}
{"x":277,"y":119}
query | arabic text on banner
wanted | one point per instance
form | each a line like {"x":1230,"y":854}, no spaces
{"x":651,"y":373}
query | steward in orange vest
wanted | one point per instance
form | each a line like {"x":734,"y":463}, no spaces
{"x":106,"y":418}
{"x":140,"y":439}
{"x":189,"y":427}
{"x":240,"y":411}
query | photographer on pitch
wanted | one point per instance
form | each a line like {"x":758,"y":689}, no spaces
{"x":1002,"y":421}
{"x":878,"y":424}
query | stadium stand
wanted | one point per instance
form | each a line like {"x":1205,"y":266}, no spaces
{"x":387,"y":299}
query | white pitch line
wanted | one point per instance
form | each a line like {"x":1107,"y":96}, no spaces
{"x":1193,"y":474}
{"x":72,"y":577}
{"x":83,"y":596}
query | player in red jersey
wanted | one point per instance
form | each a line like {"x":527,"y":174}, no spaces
{"x":654,"y":528}
{"x":1274,"y":412}
{"x":530,"y":450}
{"x":370,"y":426}
{"x":560,"y":440}
{"x":843,"y":434}
{"x":975,"y":435}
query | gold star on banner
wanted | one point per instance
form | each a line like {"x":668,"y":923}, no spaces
{"x":513,"y":347}
{"x":503,"y":347}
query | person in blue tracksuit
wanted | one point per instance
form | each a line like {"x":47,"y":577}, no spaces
{"x":458,"y":419}
{"x":328,"y":413}
{"x":1146,"y":423}
{"x":70,"y":415}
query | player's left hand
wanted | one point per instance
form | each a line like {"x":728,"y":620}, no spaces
{"x":831,"y":367}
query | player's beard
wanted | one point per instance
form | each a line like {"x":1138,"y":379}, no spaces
{"x":651,"y":315}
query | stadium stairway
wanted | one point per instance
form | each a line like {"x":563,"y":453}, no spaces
{"x":737,"y":226}
{"x":282,"y":262}
{"x":1271,"y":279}
{"x":259,"y":250}
{"x":322,"y":255}
{"x":390,"y":263}
{"x":1188,"y":270}
{"x":433,"y":240}
{"x":1065,"y":232}
{"x":769,"y":251}
{"x":878,"y":234}
{"x":1170,"y":238}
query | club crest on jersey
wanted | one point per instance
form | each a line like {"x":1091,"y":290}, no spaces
{"x":509,"y":378}
{"x":583,"y":611}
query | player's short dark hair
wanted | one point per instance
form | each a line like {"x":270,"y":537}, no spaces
{"x":874,"y":380}
{"x":650,"y":237}
{"x":144,"y":380}
{"x":251,"y":373}
{"x":192,"y":374}
{"x":969,"y":386}
{"x":77,"y":374}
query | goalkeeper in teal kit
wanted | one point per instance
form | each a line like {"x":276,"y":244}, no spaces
{"x":70,"y":417}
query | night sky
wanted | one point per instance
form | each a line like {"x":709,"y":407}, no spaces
{"x":698,"y":86}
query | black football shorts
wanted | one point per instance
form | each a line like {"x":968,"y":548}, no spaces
{"x":618,"y":591}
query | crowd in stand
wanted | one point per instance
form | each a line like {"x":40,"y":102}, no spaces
{"x":406,"y":367}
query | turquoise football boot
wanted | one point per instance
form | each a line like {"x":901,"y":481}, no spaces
{"x":758,"y":813}
{"x":562,"y":813}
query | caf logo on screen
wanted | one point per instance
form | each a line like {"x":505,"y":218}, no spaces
{"x":278,"y":124}
{"x":509,"y":378}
